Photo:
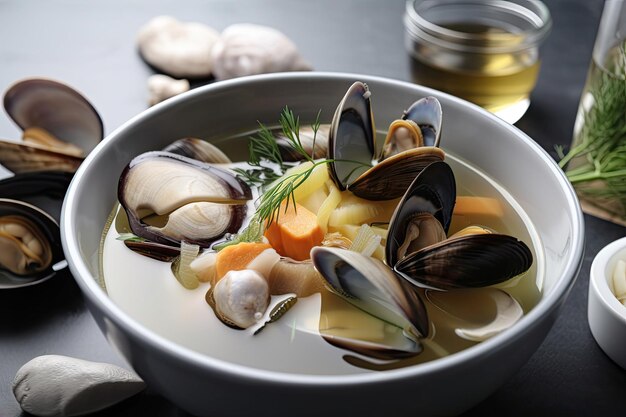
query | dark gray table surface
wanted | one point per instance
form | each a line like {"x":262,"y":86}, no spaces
{"x":90,"y":45}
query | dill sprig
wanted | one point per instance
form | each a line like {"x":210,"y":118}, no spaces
{"x":270,"y":201}
{"x":600,"y":151}
{"x":263,"y":149}
{"x":290,"y":125}
{"x":263,"y":146}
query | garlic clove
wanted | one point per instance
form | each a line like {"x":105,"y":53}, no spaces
{"x":54,"y":385}
{"x":161,"y":87}
{"x":241,"y":297}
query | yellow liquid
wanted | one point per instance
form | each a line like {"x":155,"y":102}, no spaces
{"x":493,"y":81}
{"x":146,"y":290}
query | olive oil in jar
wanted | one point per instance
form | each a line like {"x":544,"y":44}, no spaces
{"x":491,"y":80}
{"x":486,"y":52}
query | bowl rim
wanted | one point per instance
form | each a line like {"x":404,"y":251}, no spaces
{"x":599,"y":278}
{"x":89,"y":286}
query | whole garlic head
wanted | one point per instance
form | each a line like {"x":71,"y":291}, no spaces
{"x":241,"y":297}
{"x":180,"y":49}
{"x":247,"y":49}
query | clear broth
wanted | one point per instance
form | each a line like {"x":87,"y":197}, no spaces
{"x":146,"y":290}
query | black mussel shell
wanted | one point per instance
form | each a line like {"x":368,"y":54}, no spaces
{"x":427,"y":113}
{"x":50,"y":183}
{"x":470,"y":261}
{"x":351,"y":138}
{"x":433,"y":191}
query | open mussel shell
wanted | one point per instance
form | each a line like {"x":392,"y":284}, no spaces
{"x":30,"y":244}
{"x":169,"y":198}
{"x":351,"y":147}
{"x":351,"y":137}
{"x":427,"y":114}
{"x":405,"y":348}
{"x":390,"y":178}
{"x":50,"y":183}
{"x":57,"y":108}
{"x":20,"y":157}
{"x":469,"y":261}
{"x":198,"y":149}
{"x":373,"y":287}
{"x":402,"y":135}
{"x":433,"y":191}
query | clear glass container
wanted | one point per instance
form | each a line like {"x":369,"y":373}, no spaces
{"x":485,"y":51}
{"x":596,"y":162}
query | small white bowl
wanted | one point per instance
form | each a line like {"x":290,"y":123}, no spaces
{"x":607,"y":316}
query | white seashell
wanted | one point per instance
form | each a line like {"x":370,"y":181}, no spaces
{"x":242,"y":297}
{"x":508,"y":312}
{"x":247,"y":49}
{"x":161,"y":87}
{"x":179,"y":49}
{"x":55,"y":385}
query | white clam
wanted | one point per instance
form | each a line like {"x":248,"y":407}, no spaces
{"x":508,"y":312}
{"x":53,"y":385}
{"x":247,"y":49}
{"x":477,"y":314}
{"x":177,"y":48}
{"x":242,"y":297}
{"x":161,"y":87}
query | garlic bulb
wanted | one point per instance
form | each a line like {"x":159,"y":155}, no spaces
{"x":53,"y":385}
{"x":241,"y":297}
{"x":247,"y":49}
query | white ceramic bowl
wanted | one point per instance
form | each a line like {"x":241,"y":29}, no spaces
{"x":205,"y":385}
{"x":607,"y":316}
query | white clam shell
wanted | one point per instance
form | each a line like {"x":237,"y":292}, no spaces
{"x":54,"y":385}
{"x":247,"y":49}
{"x":179,"y":49}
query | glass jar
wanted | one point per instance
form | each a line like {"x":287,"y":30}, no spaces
{"x":485,"y":51}
{"x":596,"y":162}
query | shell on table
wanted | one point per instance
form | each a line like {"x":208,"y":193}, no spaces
{"x":60,"y":127}
{"x":247,"y":49}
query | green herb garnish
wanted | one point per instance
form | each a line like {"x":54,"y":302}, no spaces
{"x":252,"y":233}
{"x":264,"y":150}
{"x":263,"y":146}
{"x":600,"y":152}
{"x":130,"y":237}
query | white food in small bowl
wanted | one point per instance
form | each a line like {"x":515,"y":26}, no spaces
{"x":607,"y":293}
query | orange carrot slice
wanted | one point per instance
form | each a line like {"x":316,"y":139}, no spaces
{"x":295,"y":232}
{"x":237,"y":257}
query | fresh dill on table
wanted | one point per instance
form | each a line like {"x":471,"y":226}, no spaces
{"x":597,"y":160}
